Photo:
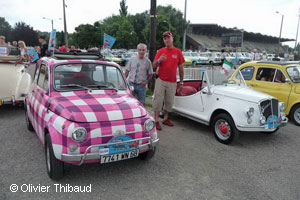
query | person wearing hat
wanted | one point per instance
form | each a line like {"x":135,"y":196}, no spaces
{"x":167,"y":59}
{"x":44,"y":46}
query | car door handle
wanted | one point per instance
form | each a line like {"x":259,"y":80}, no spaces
{"x":253,"y":84}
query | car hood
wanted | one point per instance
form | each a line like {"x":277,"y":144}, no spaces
{"x":91,"y":107}
{"x":240,"y":92}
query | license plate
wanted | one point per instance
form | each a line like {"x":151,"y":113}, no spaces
{"x":119,"y":156}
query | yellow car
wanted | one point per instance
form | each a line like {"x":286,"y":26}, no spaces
{"x":278,"y":79}
{"x":110,"y":57}
{"x":188,"y":61}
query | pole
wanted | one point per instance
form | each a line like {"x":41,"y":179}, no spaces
{"x":281,"y":28}
{"x":297,"y":30}
{"x":65,"y":25}
{"x":52,"y":23}
{"x":184,"y":35}
{"x":152,"y":49}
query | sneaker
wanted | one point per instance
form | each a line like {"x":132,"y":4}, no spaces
{"x":168,"y":122}
{"x":157,"y":125}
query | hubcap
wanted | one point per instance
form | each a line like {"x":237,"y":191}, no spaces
{"x":222,"y":129}
{"x":297,"y":115}
{"x":48,"y":158}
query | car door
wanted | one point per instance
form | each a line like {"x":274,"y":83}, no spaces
{"x":271,"y":81}
{"x":41,"y":93}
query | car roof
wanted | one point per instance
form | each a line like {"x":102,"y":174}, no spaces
{"x":279,"y":62}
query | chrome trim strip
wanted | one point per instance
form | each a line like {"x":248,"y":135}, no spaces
{"x":95,"y":156}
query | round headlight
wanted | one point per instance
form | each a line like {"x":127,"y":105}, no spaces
{"x":79,"y":134}
{"x":149,"y":125}
{"x":281,"y":106}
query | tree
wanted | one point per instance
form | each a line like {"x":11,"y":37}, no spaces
{"x":22,"y":31}
{"x":139,"y":22}
{"x":85,"y":36}
{"x":123,"y":8}
{"x":121,"y":28}
{"x":175,"y":17}
{"x":5,"y":28}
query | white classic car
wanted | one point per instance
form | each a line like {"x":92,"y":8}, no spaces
{"x":228,"y":107}
{"x":14,"y":80}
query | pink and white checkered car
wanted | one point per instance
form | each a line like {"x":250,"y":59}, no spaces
{"x":83,"y":112}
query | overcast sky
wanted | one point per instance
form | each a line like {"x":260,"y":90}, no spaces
{"x":253,"y":16}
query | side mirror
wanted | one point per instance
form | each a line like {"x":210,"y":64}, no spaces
{"x":287,"y":80}
{"x":131,"y":88}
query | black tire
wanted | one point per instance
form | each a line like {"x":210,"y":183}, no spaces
{"x":28,"y":122}
{"x":231,"y":134}
{"x":147,"y":155}
{"x":55,"y":168}
{"x":296,"y":109}
{"x":211,"y":62}
{"x":194,"y":64}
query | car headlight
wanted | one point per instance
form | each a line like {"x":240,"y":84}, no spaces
{"x":79,"y":134}
{"x":149,"y":125}
{"x":281,"y":106}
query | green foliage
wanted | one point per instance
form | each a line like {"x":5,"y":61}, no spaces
{"x":121,"y":28}
{"x":24,"y":32}
{"x":5,"y":28}
{"x":85,"y":36}
{"x":123,"y":8}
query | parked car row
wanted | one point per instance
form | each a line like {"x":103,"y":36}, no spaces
{"x":82,"y":110}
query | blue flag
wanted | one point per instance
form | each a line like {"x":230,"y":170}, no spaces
{"x":108,"y":41}
{"x":52,"y":39}
{"x":235,"y":61}
{"x":33,"y":55}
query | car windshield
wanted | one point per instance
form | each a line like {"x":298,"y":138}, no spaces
{"x":87,"y":76}
{"x":294,"y":73}
{"x":222,"y":77}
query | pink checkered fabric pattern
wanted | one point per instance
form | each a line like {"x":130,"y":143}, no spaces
{"x":69,"y":110}
{"x":95,"y":106}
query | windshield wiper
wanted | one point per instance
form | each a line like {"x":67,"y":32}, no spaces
{"x":104,"y":87}
{"x":75,"y":85}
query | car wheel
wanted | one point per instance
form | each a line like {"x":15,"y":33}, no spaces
{"x":224,"y":128}
{"x":147,"y":155}
{"x":194,"y":64}
{"x":295,"y":115}
{"x":55,"y":168}
{"x":211,"y":62}
{"x":28,"y":123}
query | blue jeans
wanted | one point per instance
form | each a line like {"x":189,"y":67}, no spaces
{"x":139,"y":91}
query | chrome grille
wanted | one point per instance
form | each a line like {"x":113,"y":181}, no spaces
{"x":269,"y":107}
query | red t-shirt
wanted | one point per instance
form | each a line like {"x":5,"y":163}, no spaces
{"x":168,"y":67}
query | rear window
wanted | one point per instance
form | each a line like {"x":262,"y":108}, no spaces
{"x":247,"y":73}
{"x":294,"y":73}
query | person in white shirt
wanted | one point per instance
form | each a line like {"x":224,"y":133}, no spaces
{"x":255,"y":55}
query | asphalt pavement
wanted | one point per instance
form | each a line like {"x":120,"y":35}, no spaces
{"x":189,"y":164}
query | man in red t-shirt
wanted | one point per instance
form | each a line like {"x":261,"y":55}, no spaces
{"x":167,"y":59}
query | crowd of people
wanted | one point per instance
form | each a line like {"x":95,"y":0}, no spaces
{"x":20,"y":49}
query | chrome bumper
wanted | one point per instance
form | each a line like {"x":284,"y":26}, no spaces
{"x":261,"y":128}
{"x":96,"y":156}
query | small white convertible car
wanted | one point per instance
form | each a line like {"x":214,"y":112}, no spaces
{"x":228,"y":106}
{"x":14,"y":80}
